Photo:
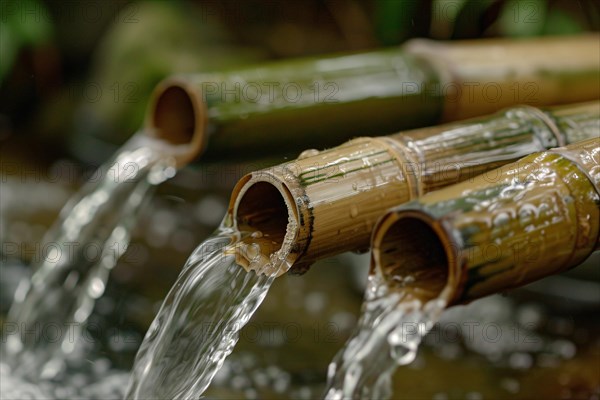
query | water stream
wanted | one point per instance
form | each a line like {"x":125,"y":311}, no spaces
{"x":218,"y":290}
{"x":92,"y":232}
{"x":220,"y":287}
{"x":394,"y":320}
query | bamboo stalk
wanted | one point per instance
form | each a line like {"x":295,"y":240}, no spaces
{"x":503,"y":229}
{"x":325,"y":100}
{"x":520,"y":71}
{"x":336,"y":196}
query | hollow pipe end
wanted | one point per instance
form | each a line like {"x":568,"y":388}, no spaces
{"x":409,"y":241}
{"x":178,"y":115}
{"x":262,"y":201}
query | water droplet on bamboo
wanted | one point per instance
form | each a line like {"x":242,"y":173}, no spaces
{"x":501,"y":219}
{"x":308,"y":153}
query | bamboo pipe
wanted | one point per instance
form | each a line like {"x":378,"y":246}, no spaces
{"x":326,"y":100}
{"x":335,"y":196}
{"x":503,"y":229}
{"x":185,"y":117}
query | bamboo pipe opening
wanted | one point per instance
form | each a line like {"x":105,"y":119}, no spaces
{"x":263,"y":208}
{"x":177,"y":115}
{"x":414,"y":253}
{"x":264,"y":204}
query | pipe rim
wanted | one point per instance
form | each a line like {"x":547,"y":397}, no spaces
{"x":177,"y":104}
{"x":452,"y":290}
{"x":295,"y":238}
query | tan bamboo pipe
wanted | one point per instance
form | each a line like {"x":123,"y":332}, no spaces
{"x":486,"y":75}
{"x":524,"y":221}
{"x":325,"y":100}
{"x":334,"y":197}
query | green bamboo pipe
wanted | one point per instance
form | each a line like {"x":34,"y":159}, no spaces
{"x":511,"y":226}
{"x":335,"y":197}
{"x":323,"y":101}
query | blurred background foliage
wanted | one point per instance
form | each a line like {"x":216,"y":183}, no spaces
{"x":76,"y":75}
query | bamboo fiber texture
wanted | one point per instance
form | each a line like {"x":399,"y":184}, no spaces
{"x":524,"y":221}
{"x":337,"y":195}
{"x":322,"y":101}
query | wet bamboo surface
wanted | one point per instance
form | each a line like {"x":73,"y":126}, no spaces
{"x":503,"y":229}
{"x":323,"y":101}
{"x":337,"y":195}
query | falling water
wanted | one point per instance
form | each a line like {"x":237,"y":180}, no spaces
{"x":92,"y":232}
{"x":393,"y":322}
{"x":220,"y":287}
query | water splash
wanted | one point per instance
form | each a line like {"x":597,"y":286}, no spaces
{"x":220,"y":287}
{"x":78,"y":252}
{"x":393,"y":322}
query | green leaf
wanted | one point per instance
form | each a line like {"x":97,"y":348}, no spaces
{"x":8,"y":49}
{"x":468,"y":22}
{"x":29,"y":20}
{"x":523,"y":18}
{"x":393,"y":20}
{"x":23,"y":23}
{"x":561,"y":23}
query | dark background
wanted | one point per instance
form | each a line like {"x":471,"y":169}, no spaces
{"x":72,"y":69}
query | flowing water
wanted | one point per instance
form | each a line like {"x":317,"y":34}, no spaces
{"x":220,"y":287}
{"x":392,"y":324}
{"x":92,"y":232}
